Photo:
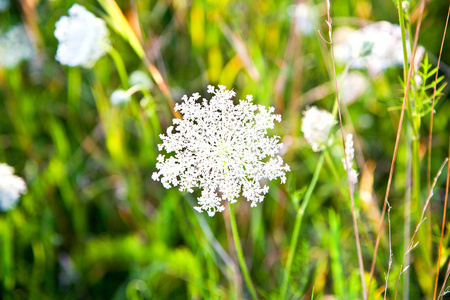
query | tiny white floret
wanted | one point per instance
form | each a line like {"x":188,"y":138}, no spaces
{"x":348,"y":160}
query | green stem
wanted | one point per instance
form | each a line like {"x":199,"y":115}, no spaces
{"x":7,"y":252}
{"x":401,"y":19}
{"x":240,"y":255}
{"x":120,"y":66}
{"x":297,"y":225}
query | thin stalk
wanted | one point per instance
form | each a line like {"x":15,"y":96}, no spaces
{"x":407,"y":209}
{"x":350,"y":187}
{"x":430,"y":134}
{"x":429,"y":160}
{"x":120,"y":66}
{"x":297,"y":226}
{"x":397,"y":139}
{"x":332,"y":167}
{"x":240,"y":255}
{"x":412,"y":245}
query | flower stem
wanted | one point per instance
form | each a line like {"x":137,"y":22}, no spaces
{"x":118,"y":61}
{"x":240,"y":255}
{"x":297,"y":225}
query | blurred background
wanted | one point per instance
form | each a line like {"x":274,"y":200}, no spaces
{"x":94,"y":225}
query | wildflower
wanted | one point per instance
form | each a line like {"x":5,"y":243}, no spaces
{"x":221,"y":148}
{"x":4,"y":5}
{"x":348,"y":160}
{"x":15,"y":47}
{"x":303,"y":15}
{"x":316,"y":126}
{"x":140,"y":78}
{"x":82,"y":37}
{"x":353,"y":86}
{"x":374,"y":47}
{"x":120,"y":96}
{"x":11,"y":187}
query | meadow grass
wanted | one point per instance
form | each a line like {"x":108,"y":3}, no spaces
{"x":94,"y":225}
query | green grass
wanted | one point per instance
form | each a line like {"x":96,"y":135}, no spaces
{"x":94,"y":225}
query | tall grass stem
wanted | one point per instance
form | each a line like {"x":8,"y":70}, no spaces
{"x":429,"y":159}
{"x":297,"y":226}
{"x":240,"y":255}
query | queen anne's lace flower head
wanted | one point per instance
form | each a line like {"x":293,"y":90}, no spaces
{"x":82,"y":37}
{"x":316,"y":126}
{"x":11,"y":187}
{"x":15,"y":46}
{"x":304,"y":17}
{"x":374,"y":47}
{"x":221,"y":148}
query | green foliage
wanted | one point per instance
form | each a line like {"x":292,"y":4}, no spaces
{"x":94,"y":225}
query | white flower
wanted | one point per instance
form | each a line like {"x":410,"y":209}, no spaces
{"x":120,"y":96}
{"x":15,"y":46}
{"x":374,"y":47}
{"x":221,"y":148}
{"x":140,"y":78}
{"x":348,"y":160}
{"x":316,"y":126}
{"x":11,"y":187}
{"x":82,"y":37}
{"x":353,"y":86}
{"x":304,"y":17}
{"x":4,"y":5}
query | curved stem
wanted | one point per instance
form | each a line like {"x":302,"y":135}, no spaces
{"x":297,"y":225}
{"x":118,"y":61}
{"x":240,"y":255}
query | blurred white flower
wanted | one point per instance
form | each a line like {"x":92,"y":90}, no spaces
{"x":120,"y":96}
{"x":420,"y":53}
{"x":221,"y":148}
{"x":11,"y":187}
{"x":348,"y":160}
{"x":353,"y":86}
{"x":304,"y":17}
{"x":4,"y":5}
{"x":374,"y":47}
{"x":15,"y":46}
{"x":316,"y":126}
{"x":140,"y":78}
{"x":82,"y":37}
{"x":405,"y":5}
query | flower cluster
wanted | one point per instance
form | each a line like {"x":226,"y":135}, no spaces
{"x":304,"y":17}
{"x":82,"y":37}
{"x":119,"y":97}
{"x":140,"y":78}
{"x":354,"y":84}
{"x":316,"y":126}
{"x":15,"y":46}
{"x":374,"y":47}
{"x":4,"y":5}
{"x":348,"y":160}
{"x":11,"y":187}
{"x":221,"y":148}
